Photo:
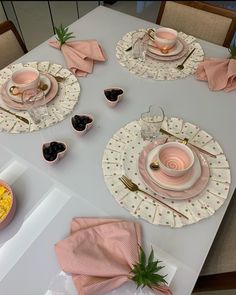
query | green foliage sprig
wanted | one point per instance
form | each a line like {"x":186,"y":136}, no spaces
{"x":232,"y":50}
{"x":63,"y":35}
{"x":146,"y":271}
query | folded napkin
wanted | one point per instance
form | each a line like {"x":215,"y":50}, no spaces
{"x":100,"y":253}
{"x":80,"y":55}
{"x":220,"y":73}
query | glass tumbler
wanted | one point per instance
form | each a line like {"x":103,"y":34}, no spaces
{"x":35,"y":104}
{"x":151,"y":122}
{"x":139,"y":45}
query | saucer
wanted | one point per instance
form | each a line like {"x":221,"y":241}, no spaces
{"x":193,"y":191}
{"x":178,"y":47}
{"x":18,"y":105}
{"x":169,"y":182}
{"x":164,"y":57}
{"x":43,"y":79}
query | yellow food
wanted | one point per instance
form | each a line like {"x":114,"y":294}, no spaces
{"x":5,"y":202}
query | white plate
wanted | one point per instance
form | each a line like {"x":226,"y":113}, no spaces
{"x":173,"y":51}
{"x":43,"y":79}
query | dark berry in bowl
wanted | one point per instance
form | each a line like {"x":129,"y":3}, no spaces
{"x":81,"y":123}
{"x":53,"y":151}
{"x":113,"y":96}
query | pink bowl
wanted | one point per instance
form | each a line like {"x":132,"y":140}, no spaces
{"x":59,"y":155}
{"x":110,"y":103}
{"x":7,"y":219}
{"x":87,"y":126}
{"x":175,"y":158}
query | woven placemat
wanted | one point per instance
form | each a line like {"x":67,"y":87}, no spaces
{"x":155,"y":69}
{"x":121,"y":157}
{"x":62,"y":105}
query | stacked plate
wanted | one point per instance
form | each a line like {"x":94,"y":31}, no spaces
{"x":15,"y":101}
{"x":187,"y":186}
{"x":178,"y":51}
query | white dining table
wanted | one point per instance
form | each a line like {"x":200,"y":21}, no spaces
{"x":49,"y":196}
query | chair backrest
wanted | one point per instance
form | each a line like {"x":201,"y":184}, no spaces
{"x":11,"y":44}
{"x":202,"y":20}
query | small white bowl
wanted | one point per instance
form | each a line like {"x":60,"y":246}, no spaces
{"x":113,"y":103}
{"x":59,"y":154}
{"x":175,"y":159}
{"x":87,"y":126}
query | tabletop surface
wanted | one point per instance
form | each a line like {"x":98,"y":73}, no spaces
{"x":49,"y":196}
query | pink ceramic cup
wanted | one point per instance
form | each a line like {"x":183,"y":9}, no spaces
{"x":175,"y":159}
{"x":164,"y":38}
{"x":26,"y":78}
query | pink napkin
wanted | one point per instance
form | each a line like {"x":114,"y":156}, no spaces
{"x":220,"y":73}
{"x":100,"y":253}
{"x":80,"y":55}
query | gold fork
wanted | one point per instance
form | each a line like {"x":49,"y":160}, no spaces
{"x":133,"y":188}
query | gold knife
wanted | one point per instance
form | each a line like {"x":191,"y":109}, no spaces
{"x":200,"y":149}
{"x":17,"y":116}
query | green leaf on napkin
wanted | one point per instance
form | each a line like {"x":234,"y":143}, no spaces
{"x":232,"y":50}
{"x":63,"y":35}
{"x":146,"y":271}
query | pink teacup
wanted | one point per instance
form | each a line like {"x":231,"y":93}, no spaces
{"x":175,"y":158}
{"x":164,"y":38}
{"x":24,"y":79}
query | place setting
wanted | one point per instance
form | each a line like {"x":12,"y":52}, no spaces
{"x":165,"y":170}
{"x":35,"y":95}
{"x":160,"y":54}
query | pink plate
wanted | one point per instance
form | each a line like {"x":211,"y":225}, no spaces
{"x":193,"y":191}
{"x":179,"y":183}
{"x":178,"y":47}
{"x":181,"y":54}
{"x":19,"y":106}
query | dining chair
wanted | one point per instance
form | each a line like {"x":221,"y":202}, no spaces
{"x":11,"y":45}
{"x":202,"y":20}
{"x":219,"y":269}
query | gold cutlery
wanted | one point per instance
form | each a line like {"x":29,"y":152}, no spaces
{"x":41,"y":86}
{"x":133,"y":188}
{"x":154,"y":165}
{"x":181,"y":66}
{"x":58,"y":78}
{"x":17,"y":116}
{"x":185,"y":141}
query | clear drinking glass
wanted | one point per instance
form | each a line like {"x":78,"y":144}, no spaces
{"x":151,"y":122}
{"x":35,"y":104}
{"x":139,"y":45}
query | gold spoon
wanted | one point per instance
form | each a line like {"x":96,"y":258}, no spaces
{"x":43,"y":87}
{"x":181,"y":66}
{"x":154,"y":165}
{"x":59,"y":78}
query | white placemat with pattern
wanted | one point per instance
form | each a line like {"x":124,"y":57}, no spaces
{"x":62,"y":105}
{"x":159,"y":70}
{"x":121,"y":157}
